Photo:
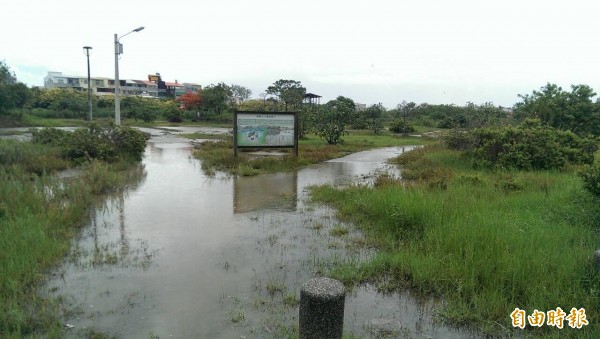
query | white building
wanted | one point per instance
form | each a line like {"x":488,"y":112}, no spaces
{"x":99,"y":85}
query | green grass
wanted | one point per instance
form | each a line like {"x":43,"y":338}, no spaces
{"x":218,"y":156}
{"x":486,"y":242}
{"x":39,"y":215}
{"x":34,"y":121}
{"x":31,"y":157}
{"x":338,"y":231}
{"x":199,"y":135}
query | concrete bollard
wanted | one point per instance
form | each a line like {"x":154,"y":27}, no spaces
{"x":597,"y":260}
{"x":322,"y":309}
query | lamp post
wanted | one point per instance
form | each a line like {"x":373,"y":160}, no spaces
{"x":87,"y":53}
{"x":119,"y":50}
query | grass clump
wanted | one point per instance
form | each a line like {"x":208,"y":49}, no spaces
{"x":338,"y":231}
{"x":39,"y":215}
{"x":488,"y":242}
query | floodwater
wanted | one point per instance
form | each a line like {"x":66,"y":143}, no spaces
{"x":186,"y":255}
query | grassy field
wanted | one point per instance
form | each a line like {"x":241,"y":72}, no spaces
{"x":486,"y":242}
{"x":39,"y":214}
{"x":218,"y":156}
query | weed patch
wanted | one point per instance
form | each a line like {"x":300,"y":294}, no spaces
{"x":488,"y":242}
{"x":39,"y":214}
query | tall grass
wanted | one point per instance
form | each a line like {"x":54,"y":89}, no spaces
{"x":31,"y":158}
{"x":486,"y":242}
{"x":39,"y":214}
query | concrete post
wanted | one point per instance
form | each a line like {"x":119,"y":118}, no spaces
{"x":597,"y":260}
{"x":322,"y":309}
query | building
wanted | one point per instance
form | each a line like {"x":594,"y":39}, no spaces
{"x":98,"y":86}
{"x":154,"y":87}
{"x":191,"y":87}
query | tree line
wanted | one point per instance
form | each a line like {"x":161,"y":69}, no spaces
{"x":574,"y":110}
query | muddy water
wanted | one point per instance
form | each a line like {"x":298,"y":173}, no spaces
{"x":185,"y":255}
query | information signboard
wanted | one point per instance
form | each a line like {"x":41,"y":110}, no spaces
{"x":266,"y":129}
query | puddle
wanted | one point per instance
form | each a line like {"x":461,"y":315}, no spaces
{"x":185,"y":255}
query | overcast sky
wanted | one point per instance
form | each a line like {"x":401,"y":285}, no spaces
{"x":387,"y":51}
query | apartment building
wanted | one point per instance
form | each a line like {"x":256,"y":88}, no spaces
{"x":106,"y":86}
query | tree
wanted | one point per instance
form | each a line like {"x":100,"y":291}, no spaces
{"x":6,"y":76}
{"x":374,"y":117}
{"x":404,"y":109}
{"x":215,"y":98}
{"x":190,"y":101}
{"x":574,"y":111}
{"x":171,"y":111}
{"x":61,"y":99}
{"x":330,"y":119}
{"x":483,"y":115}
{"x":13,"y":94}
{"x":147,"y":109}
{"x":240,"y":93}
{"x":290,"y":92}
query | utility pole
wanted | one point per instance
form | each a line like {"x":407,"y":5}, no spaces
{"x":87,"y":53}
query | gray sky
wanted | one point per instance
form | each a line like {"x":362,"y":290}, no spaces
{"x":386,"y":51}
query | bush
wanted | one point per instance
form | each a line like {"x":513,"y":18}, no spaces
{"x":173,"y":114}
{"x":459,"y":140}
{"x":401,"y":126}
{"x":529,"y":147}
{"x":50,"y":135}
{"x":87,"y":144}
{"x":191,"y":115}
{"x":148,"y":115}
{"x":107,"y":144}
{"x":591,"y":179}
{"x":129,"y":141}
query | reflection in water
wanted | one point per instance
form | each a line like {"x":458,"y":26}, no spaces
{"x":265,"y":191}
{"x":172,"y":258}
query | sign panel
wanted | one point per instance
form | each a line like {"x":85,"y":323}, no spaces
{"x":265,"y":130}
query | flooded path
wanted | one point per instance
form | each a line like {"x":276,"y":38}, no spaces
{"x":185,"y":255}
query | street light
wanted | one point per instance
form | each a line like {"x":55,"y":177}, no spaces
{"x":119,"y":50}
{"x":87,"y":53}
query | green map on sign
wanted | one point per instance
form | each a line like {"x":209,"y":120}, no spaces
{"x":265,"y":130}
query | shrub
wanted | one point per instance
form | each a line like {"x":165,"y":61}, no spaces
{"x":529,"y":147}
{"x":50,"y":135}
{"x":148,"y":115}
{"x":591,"y":179}
{"x":459,"y":140}
{"x":86,"y":144}
{"x":107,"y":144}
{"x":129,"y":141}
{"x":401,"y":126}
{"x":191,"y":115}
{"x":173,"y":114}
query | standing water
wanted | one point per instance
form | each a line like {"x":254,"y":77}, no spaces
{"x":186,"y":255}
